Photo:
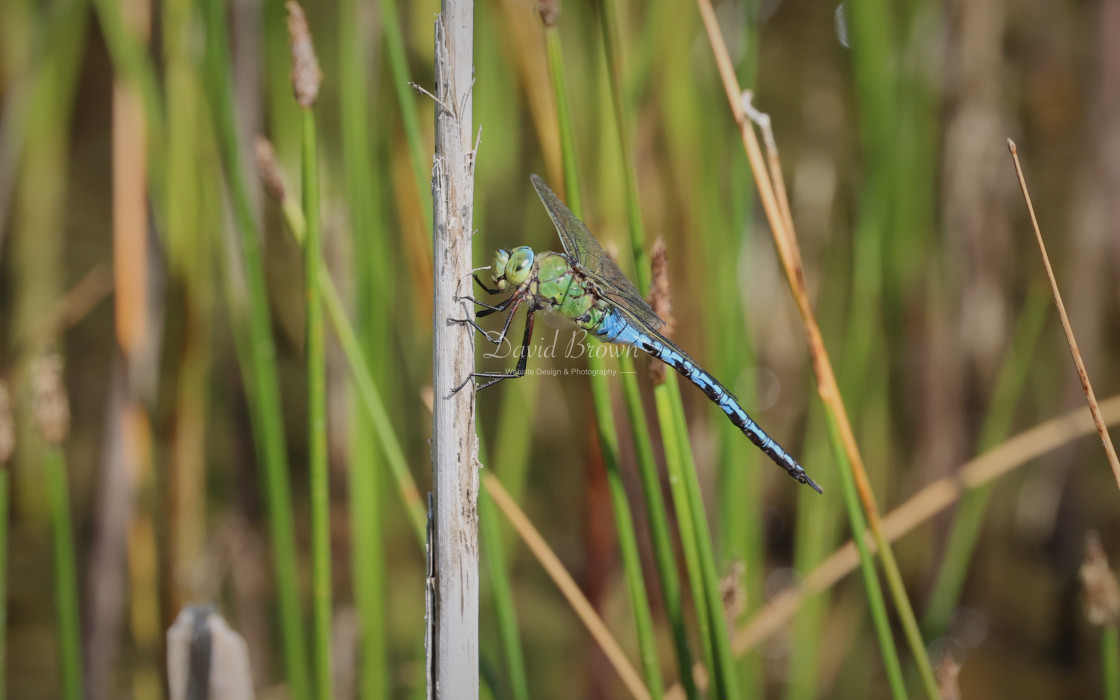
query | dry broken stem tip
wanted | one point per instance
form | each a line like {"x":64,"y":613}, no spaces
{"x":549,"y":11}
{"x":7,"y":428}
{"x":946,"y":673}
{"x":306,"y":75}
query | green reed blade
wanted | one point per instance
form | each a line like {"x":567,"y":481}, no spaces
{"x":65,"y":572}
{"x":608,"y":436}
{"x":728,"y":682}
{"x":398,"y":64}
{"x":504,"y":605}
{"x":627,"y":540}
{"x":318,"y":463}
{"x":1110,"y":661}
{"x":1009,"y":387}
{"x":658,"y":525}
{"x":264,"y":396}
{"x":371,"y":257}
{"x":875,"y":601}
{"x":367,"y":389}
{"x":5,"y":484}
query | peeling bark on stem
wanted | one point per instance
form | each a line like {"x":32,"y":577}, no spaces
{"x":453,"y":592}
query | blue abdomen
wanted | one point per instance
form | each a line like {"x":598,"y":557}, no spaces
{"x":617,"y":328}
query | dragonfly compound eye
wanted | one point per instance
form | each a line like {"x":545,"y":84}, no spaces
{"x":519,"y":265}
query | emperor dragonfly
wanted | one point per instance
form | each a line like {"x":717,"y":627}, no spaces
{"x":585,"y":286}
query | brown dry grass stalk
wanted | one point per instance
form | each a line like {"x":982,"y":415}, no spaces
{"x":567,"y":585}
{"x":919,"y":509}
{"x":795,"y":275}
{"x":925,"y":504}
{"x":785,"y":241}
{"x":1091,"y":397}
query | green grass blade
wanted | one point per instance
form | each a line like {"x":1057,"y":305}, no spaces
{"x":608,"y":435}
{"x":367,"y":388}
{"x":375,"y":409}
{"x":366,"y":500}
{"x":961,"y":543}
{"x":728,"y":682}
{"x":65,"y":573}
{"x":4,"y":501}
{"x":647,"y":467}
{"x":875,"y":600}
{"x":677,"y":460}
{"x":398,"y":65}
{"x":627,"y":540}
{"x":264,"y":396}
{"x":504,"y":606}
{"x":658,"y":525}
{"x":1110,"y":661}
{"x":728,"y":678}
{"x":318,"y":462}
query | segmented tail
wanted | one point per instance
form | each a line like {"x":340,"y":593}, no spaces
{"x":616,"y":328}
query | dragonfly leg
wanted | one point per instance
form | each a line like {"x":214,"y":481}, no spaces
{"x":484,"y":287}
{"x":519,"y":371}
{"x":515,"y":300}
{"x":472,"y":300}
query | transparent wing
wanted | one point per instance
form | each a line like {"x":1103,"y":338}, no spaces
{"x":587,"y":255}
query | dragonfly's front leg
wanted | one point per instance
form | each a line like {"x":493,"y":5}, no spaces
{"x":500,"y":307}
{"x":484,"y":287}
{"x":519,"y":371}
{"x":516,"y":300}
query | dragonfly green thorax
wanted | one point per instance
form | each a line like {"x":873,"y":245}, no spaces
{"x":547,"y":281}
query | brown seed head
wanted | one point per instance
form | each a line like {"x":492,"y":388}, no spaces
{"x":549,"y":11}
{"x":268,"y":169}
{"x":7,"y":430}
{"x":49,"y":404}
{"x":1102,"y":596}
{"x":306,"y":75}
{"x":659,"y":298}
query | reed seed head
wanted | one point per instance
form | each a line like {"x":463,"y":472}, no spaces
{"x":50,"y":406}
{"x":1102,"y":596}
{"x":306,"y":75}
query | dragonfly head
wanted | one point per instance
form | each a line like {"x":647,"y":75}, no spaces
{"x":511,"y":267}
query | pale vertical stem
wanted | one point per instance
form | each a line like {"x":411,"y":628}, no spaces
{"x":453,"y":603}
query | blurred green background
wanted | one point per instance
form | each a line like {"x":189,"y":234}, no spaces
{"x":130,"y":208}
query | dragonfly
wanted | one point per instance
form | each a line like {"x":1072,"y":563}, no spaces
{"x":585,"y":286}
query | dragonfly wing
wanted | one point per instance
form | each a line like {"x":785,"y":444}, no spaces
{"x":584,"y":251}
{"x":579,"y":244}
{"x":626,"y":299}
